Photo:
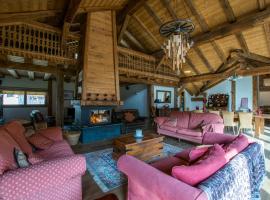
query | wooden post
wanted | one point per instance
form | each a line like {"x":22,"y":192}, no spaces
{"x":60,"y":98}
{"x":50,"y":101}
{"x":233,"y":94}
{"x":150,"y":90}
{"x":255,"y":89}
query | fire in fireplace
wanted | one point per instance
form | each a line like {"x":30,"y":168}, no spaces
{"x":100,"y":116}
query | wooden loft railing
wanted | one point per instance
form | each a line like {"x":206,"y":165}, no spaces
{"x":33,"y":40}
{"x":139,"y":67}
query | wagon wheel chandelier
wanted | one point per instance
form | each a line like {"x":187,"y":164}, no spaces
{"x":178,"y":42}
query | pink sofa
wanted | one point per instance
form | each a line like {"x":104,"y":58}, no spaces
{"x":155,"y":181}
{"x":57,"y":175}
{"x":190,"y":126}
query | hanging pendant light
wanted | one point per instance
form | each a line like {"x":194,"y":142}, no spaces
{"x":178,"y":42}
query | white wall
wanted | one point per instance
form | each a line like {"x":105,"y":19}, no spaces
{"x":243,"y":89}
{"x":24,"y":112}
{"x":135,"y":97}
{"x":162,"y":88}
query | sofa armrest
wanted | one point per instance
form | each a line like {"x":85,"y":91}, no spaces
{"x":160,"y":120}
{"x":153,"y":183}
{"x":22,"y":182}
{"x":213,"y":127}
{"x":53,"y":133}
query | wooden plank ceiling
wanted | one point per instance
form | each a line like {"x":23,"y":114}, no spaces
{"x":211,"y":48}
{"x":220,"y":27}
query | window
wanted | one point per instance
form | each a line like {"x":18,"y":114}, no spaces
{"x":24,"y":98}
{"x":13,"y":97}
{"x":35,"y":98}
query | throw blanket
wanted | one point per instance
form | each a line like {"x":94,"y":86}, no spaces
{"x":239,"y":179}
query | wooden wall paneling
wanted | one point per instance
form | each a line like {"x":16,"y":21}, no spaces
{"x":60,"y":98}
{"x":233,"y":93}
{"x":100,"y":60}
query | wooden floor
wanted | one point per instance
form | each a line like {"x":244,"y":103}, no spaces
{"x":91,"y":190}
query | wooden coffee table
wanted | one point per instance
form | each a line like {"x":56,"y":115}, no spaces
{"x":151,"y":145}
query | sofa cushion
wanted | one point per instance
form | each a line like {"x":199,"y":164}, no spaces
{"x":168,"y":128}
{"x":194,"y":153}
{"x":190,"y":132}
{"x":236,"y":146}
{"x":57,"y":150}
{"x":7,"y":146}
{"x":197,"y":120}
{"x":52,"y":133}
{"x":182,"y":118}
{"x":172,"y":122}
{"x":39,"y":141}
{"x":202,"y":169}
{"x":166,"y":164}
{"x":16,"y":131}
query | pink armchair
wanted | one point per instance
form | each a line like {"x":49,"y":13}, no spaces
{"x":57,"y":174}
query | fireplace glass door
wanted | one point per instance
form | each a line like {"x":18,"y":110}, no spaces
{"x":100,"y":116}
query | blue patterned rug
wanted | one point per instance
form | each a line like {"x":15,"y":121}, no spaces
{"x":102,"y":167}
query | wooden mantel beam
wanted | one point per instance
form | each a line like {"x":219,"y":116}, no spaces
{"x":226,"y":29}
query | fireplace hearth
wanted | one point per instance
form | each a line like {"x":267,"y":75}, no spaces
{"x":95,"y":122}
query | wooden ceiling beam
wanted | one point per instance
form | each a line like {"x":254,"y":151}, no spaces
{"x":9,"y":65}
{"x":130,"y":8}
{"x":166,"y":4}
{"x":191,"y":65}
{"x":244,"y":23}
{"x":261,"y":4}
{"x":217,"y":76}
{"x":13,"y":73}
{"x":160,"y":62}
{"x":123,"y":29}
{"x":219,"y":52}
{"x":225,"y":4}
{"x":197,"y":15}
{"x":266,"y":27}
{"x":151,"y":12}
{"x":30,"y":15}
{"x":242,"y":42}
{"x":135,"y":41}
{"x":153,"y":37}
{"x":31,"y":75}
{"x":204,"y":59}
{"x":70,"y":14}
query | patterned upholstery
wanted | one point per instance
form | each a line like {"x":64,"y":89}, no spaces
{"x":23,"y":182}
{"x":55,"y":174}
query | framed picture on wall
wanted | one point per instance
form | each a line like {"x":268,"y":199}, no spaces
{"x":68,"y":95}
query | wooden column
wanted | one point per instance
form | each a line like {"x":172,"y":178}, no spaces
{"x":150,"y":90}
{"x":50,"y":101}
{"x":255,"y":90}
{"x":60,"y":98}
{"x":233,"y":85}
